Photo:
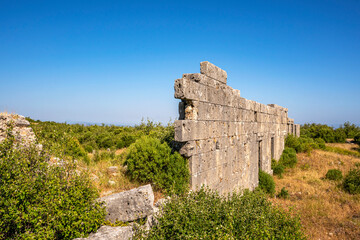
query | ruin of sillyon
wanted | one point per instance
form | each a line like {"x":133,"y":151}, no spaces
{"x":225,"y":137}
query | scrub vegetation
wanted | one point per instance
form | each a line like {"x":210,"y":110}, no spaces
{"x":51,"y":194}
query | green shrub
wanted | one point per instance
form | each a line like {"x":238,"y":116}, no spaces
{"x":351,"y":181}
{"x":283,"y":193}
{"x":42,"y":201}
{"x":357,"y":138}
{"x":205,"y":214}
{"x":321,"y":143}
{"x":149,"y":160}
{"x":88,"y":148}
{"x":266,"y":182}
{"x":334,"y":174}
{"x":350,"y":130}
{"x":327,"y":133}
{"x":278,"y":168}
{"x":304,"y":143}
{"x":288,"y":157}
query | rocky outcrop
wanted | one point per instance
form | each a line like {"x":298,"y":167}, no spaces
{"x":129,"y":205}
{"x":111,"y":233}
{"x":21,"y":129}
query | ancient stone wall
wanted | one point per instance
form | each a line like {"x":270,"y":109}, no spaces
{"x":226,"y":138}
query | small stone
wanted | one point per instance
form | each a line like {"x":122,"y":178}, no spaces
{"x":111,"y":182}
{"x":94,"y":177}
{"x":113,"y":169}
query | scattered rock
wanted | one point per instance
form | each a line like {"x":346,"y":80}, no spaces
{"x":94,"y":177}
{"x":150,"y":222}
{"x":161,"y":202}
{"x":111,"y":233}
{"x":113,"y":169}
{"x":111,"y":183}
{"x":129,"y":205}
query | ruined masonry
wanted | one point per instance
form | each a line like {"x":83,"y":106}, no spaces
{"x":227,"y":138}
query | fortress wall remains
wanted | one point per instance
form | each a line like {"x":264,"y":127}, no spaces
{"x":227,"y":138}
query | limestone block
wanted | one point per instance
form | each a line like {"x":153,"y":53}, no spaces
{"x":187,"y":89}
{"x":111,"y":233}
{"x":186,"y":130}
{"x":129,"y":205}
{"x":257,"y":106}
{"x":213,"y":71}
{"x":202,"y":79}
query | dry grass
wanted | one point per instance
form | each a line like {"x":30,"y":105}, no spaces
{"x":348,"y":146}
{"x":108,"y":181}
{"x":327,"y":212}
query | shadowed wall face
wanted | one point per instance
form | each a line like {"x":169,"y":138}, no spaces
{"x":226,"y":138}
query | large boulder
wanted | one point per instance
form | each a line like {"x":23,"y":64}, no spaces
{"x":110,"y":233}
{"x":129,"y":205}
{"x":21,"y":130}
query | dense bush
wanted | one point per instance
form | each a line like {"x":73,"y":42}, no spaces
{"x":149,"y":160}
{"x":288,"y":158}
{"x":327,"y":133}
{"x":278,"y":168}
{"x":77,"y":140}
{"x":283,"y":193}
{"x":351,"y":181}
{"x":350,"y":130}
{"x":42,"y":201}
{"x":304,"y":144}
{"x":266,"y":182}
{"x":334,"y":174}
{"x":207,"y":215}
{"x":357,"y":138}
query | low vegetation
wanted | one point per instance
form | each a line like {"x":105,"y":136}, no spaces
{"x":266,"y":183}
{"x":330,"y":134}
{"x":149,"y":160}
{"x":352,"y":181}
{"x":76,"y":140}
{"x":61,"y":181}
{"x":206,"y":215}
{"x":43,"y":201}
{"x":327,"y":209}
{"x":334,"y":174}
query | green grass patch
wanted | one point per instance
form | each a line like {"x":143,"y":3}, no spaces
{"x":342,"y":151}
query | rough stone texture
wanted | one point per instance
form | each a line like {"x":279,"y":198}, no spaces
{"x":22,"y":131}
{"x":110,"y":233}
{"x":129,"y":205}
{"x":226,"y":138}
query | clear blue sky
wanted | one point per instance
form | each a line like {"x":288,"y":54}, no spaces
{"x":116,"y":61}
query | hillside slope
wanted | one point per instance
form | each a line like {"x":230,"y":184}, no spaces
{"x":327,"y":212}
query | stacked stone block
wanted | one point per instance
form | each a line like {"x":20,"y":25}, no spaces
{"x":226,"y":138}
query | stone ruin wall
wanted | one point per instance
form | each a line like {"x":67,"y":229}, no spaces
{"x":226,"y":138}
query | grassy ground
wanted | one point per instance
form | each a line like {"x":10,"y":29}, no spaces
{"x":109,"y":180}
{"x":327,"y":212}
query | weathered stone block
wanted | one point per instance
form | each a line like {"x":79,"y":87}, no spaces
{"x":190,"y":90}
{"x":129,"y":205}
{"x":213,"y":71}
